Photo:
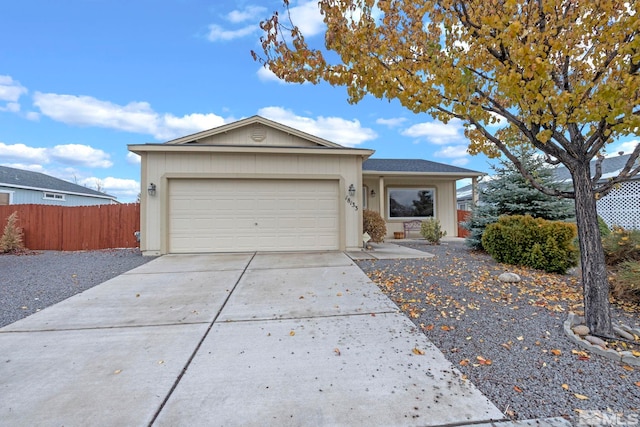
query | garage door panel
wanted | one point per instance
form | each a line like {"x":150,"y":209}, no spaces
{"x":221,"y":215}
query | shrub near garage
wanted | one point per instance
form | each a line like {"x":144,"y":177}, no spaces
{"x":374,"y":225}
{"x":532,"y":242}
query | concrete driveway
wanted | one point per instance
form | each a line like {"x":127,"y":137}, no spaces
{"x":231,"y":340}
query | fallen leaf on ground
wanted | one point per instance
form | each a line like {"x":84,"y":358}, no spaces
{"x":292,"y":333}
{"x":337,"y":351}
{"x":483,"y":361}
{"x":464,"y":362}
{"x":581,"y":396}
{"x":417,"y":351}
{"x":518,"y":389}
{"x":627,"y":367}
{"x":565,"y":386}
{"x":556,"y":352}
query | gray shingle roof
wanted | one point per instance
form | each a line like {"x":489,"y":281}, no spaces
{"x":610,"y":165}
{"x":414,"y":165}
{"x":22,"y":178}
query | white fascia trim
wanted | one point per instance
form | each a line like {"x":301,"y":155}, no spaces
{"x":49,"y":190}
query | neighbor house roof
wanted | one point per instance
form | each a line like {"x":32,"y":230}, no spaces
{"x":611,"y":167}
{"x":415,"y":166}
{"x":19,"y":178}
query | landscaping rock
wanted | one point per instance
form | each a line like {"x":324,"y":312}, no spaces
{"x":595,"y":341}
{"x":623,"y":334}
{"x":509,"y":277}
{"x":581,"y":330}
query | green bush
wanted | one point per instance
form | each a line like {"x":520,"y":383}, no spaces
{"x":621,"y":245}
{"x":603,"y":227}
{"x":11,"y":240}
{"x":532,"y":242}
{"x":625,"y":283}
{"x":374,"y":225}
{"x":431,"y":231}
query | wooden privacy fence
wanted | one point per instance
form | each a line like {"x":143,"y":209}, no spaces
{"x":462,"y":217}
{"x":64,"y":228}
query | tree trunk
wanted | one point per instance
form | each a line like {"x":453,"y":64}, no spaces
{"x":594,"y":271}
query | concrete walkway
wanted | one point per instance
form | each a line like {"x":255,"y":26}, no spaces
{"x":231,"y":340}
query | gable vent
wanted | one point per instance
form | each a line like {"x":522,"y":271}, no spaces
{"x":258,"y":133}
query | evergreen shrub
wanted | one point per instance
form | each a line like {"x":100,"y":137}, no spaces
{"x":374,"y":225}
{"x":431,"y":231}
{"x":621,"y":245}
{"x":625,"y":283}
{"x":603,"y":227}
{"x":532,"y":242}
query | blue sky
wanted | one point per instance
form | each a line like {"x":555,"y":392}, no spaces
{"x":81,"y":79}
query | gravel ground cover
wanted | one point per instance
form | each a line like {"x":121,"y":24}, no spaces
{"x":508,"y":338}
{"x":35,"y":280}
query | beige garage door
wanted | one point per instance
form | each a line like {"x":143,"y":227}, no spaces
{"x":220,"y":215}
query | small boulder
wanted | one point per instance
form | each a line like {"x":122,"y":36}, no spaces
{"x":596,"y":341}
{"x":509,"y":277}
{"x":581,"y":330}
{"x":623,"y":334}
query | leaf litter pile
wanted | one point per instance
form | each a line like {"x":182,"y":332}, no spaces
{"x":508,"y":338}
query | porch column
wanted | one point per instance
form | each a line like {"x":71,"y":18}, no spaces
{"x":381,"y":197}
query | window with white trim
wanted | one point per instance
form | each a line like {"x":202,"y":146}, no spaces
{"x":411,"y":203}
{"x":53,"y":196}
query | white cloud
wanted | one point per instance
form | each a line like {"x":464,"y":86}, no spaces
{"x":133,"y":158}
{"x":216,"y":32}
{"x":126,"y":190}
{"x":69,"y":154}
{"x":80,"y":155}
{"x":137,"y":117}
{"x":436,"y":132}
{"x":306,"y":16}
{"x":335,"y":129}
{"x":26,"y":166}
{"x":460,"y":162}
{"x":266,"y":75}
{"x":33,"y":116}
{"x":247,"y":14}
{"x":22,"y":153}
{"x":10,"y":90}
{"x":627,"y":147}
{"x":12,"y":107}
{"x":452,"y":151}
{"x":393,"y":122}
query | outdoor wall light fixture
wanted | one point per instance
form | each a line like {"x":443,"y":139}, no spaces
{"x":373,"y":193}
{"x":352,"y":190}
{"x":152,"y":189}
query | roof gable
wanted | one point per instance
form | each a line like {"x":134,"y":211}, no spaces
{"x":254,"y":131}
{"x":19,"y":178}
{"x":415,"y":166}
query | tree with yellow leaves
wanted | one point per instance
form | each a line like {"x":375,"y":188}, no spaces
{"x":562,"y":75}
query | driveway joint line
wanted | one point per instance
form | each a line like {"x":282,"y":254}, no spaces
{"x":195,"y":351}
{"x":97,"y":328}
{"x":325,"y":316}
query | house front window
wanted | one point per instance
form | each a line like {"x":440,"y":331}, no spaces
{"x":410,"y":203}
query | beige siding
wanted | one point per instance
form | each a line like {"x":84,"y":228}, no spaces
{"x":258,"y":135}
{"x":444,"y":199}
{"x":160,"y":167}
